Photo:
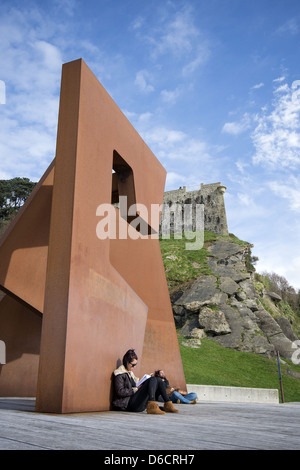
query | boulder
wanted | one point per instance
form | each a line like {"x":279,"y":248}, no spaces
{"x":192,"y":333}
{"x":273,"y":296}
{"x":273,"y":332}
{"x":286,"y":328}
{"x":179,"y":314}
{"x":191,"y":343}
{"x":233,"y":318}
{"x":203,"y":291}
{"x":179,"y":310}
{"x":237,"y":271}
{"x":190,"y":325}
{"x":267,"y":323}
{"x":248,"y":287}
{"x":213,"y":322}
{"x":228,"y":285}
{"x":283,"y":345}
{"x":252,"y":304}
{"x":223,"y":249}
{"x":227,"y":260}
{"x":241,"y":295}
{"x":293,"y":373}
{"x":193,"y":306}
{"x":257,"y":344}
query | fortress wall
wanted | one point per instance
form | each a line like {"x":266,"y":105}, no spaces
{"x":211,"y":196}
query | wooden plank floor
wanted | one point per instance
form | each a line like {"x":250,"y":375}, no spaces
{"x":214,"y":426}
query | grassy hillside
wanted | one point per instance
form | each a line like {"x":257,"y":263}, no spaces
{"x":213,"y":364}
{"x":182,"y":265}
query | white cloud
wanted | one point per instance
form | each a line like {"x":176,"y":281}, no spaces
{"x":66,"y":6}
{"x":257,"y":86}
{"x":241,"y":166}
{"x":31,"y":63}
{"x":201,"y":57}
{"x":285,"y":263}
{"x":31,"y":69}
{"x":177,"y":35}
{"x":279,"y":79}
{"x":245,"y":199}
{"x":141,"y":80}
{"x":164,"y":137}
{"x":177,"y":149}
{"x":290,"y":26}
{"x":50,"y":55}
{"x":237,"y":127}
{"x":174,"y":179}
{"x":170,"y":96}
{"x":276,"y":137}
{"x":289,"y":190}
{"x":174,"y":147}
{"x":137,"y":23}
{"x":246,"y":213}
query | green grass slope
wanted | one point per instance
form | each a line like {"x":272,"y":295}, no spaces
{"x":183,"y":265}
{"x":213,"y":364}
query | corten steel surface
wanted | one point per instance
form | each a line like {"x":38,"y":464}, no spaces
{"x":24,"y":246}
{"x":23,"y":261}
{"x":98,"y":297}
{"x":20,"y":329}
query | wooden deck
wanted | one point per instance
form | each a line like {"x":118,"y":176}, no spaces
{"x":214,"y":426}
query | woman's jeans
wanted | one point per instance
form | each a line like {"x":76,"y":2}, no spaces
{"x":183,"y":399}
{"x":149,"y":389}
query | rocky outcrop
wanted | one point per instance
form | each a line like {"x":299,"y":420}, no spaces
{"x":226,"y":307}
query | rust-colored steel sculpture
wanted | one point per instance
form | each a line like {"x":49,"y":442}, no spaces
{"x":75,"y":300}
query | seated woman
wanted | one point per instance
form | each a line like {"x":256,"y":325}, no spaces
{"x":131,"y":398}
{"x":175,"y":394}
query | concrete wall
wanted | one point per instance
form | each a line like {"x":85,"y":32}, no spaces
{"x":213,"y":393}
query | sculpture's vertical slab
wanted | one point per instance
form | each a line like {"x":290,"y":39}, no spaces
{"x":91,"y":314}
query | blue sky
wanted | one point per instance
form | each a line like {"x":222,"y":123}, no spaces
{"x":213,"y":87}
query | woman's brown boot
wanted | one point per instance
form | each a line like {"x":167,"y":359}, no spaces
{"x":153,"y":408}
{"x":168,"y":406}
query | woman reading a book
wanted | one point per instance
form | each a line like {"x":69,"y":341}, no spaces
{"x":130,"y":397}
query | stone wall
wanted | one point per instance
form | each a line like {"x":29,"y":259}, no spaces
{"x":211,"y":196}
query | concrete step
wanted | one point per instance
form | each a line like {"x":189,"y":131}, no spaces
{"x":213,"y":393}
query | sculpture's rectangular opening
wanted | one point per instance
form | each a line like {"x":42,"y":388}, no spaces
{"x":122,"y":180}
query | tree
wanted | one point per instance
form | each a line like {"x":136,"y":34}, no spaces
{"x":281,"y":286}
{"x":13,"y":194}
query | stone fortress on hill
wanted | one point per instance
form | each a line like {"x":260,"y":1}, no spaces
{"x":211,"y":196}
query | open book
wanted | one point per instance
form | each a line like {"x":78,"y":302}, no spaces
{"x":145,"y":377}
